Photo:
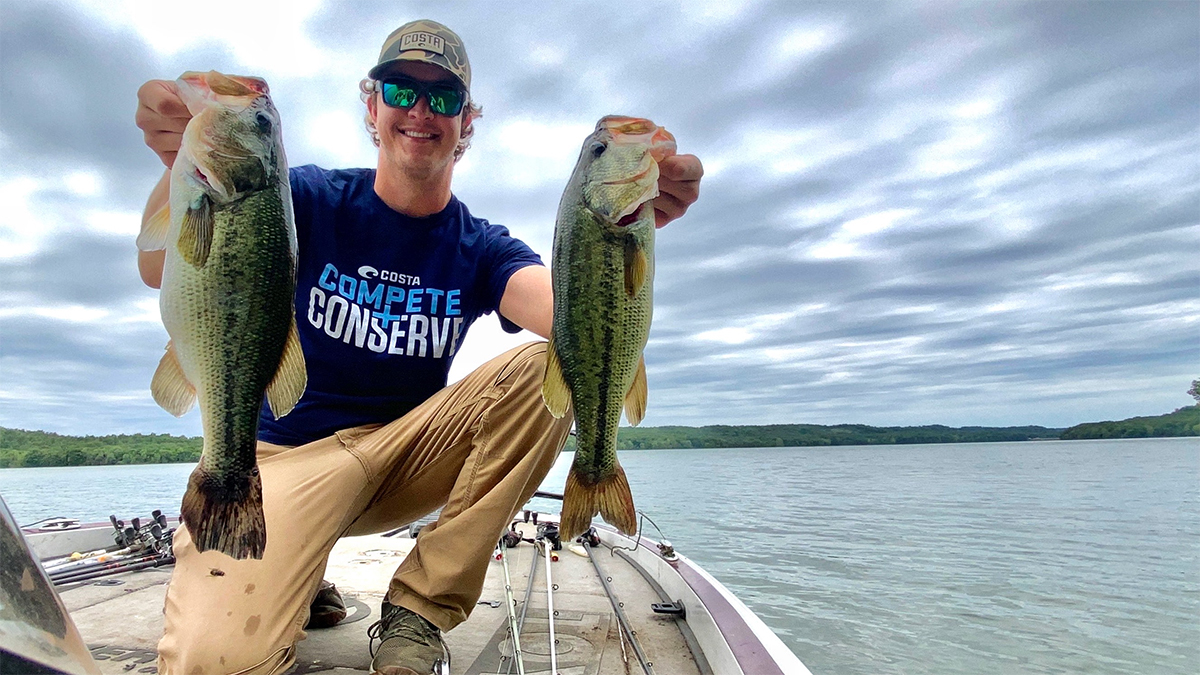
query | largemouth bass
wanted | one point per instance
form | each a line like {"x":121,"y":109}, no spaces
{"x":227,"y":299}
{"x":603,"y":274}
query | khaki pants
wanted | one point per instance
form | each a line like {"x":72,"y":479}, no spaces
{"x":480,"y":447}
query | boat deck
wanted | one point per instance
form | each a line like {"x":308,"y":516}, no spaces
{"x":121,"y":622}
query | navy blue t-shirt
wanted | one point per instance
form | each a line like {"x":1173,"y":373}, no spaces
{"x":383,"y":300}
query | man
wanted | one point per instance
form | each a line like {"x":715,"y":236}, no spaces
{"x":392,"y":271}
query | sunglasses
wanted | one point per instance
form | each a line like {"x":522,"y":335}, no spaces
{"x":444,"y":98}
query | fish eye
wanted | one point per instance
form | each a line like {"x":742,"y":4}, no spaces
{"x":264,"y":122}
{"x":598,"y":148}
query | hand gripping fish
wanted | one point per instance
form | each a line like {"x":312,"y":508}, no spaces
{"x":603,"y":273}
{"x":227,"y":299}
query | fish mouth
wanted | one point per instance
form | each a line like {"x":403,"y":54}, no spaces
{"x":201,"y":90}
{"x":659,"y":144}
{"x":632,"y":130}
{"x":209,"y":96}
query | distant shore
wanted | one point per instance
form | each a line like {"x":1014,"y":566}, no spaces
{"x":21,"y":448}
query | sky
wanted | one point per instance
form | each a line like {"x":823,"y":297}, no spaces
{"x":912,"y":213}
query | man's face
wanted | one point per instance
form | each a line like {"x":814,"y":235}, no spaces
{"x":416,"y":141}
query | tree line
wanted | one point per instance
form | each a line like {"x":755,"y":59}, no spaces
{"x":19,"y":448}
{"x":1183,"y":422}
{"x":41,"y":448}
{"x":803,"y":435}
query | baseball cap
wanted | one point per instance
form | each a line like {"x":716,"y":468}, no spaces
{"x":428,"y":42}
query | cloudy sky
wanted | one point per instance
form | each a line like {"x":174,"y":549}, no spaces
{"x":955,"y":213}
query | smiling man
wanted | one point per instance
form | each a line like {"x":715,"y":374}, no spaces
{"x":392,"y":271}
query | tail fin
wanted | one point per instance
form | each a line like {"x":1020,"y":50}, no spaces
{"x":228,"y":520}
{"x":610,"y":497}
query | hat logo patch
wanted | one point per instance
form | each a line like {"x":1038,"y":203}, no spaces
{"x":422,"y":40}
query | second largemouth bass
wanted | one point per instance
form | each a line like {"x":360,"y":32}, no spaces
{"x":603,"y":274}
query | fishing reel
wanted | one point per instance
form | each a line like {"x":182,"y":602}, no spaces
{"x":154,"y":535}
{"x":549,"y":532}
{"x":511,"y":538}
{"x":590,"y":537}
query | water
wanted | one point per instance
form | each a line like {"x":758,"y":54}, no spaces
{"x":1049,"y":557}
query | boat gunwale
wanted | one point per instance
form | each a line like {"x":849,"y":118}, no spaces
{"x":749,"y":642}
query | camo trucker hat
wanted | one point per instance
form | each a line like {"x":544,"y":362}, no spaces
{"x":428,"y":42}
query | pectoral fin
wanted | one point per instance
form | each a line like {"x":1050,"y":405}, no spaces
{"x":635,"y":398}
{"x":554,"y":387}
{"x":635,"y":266}
{"x":290,"y":379}
{"x":153,"y":236}
{"x":170,"y":387}
{"x":196,"y":234}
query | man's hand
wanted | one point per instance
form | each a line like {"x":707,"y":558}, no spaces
{"x":162,"y":117}
{"x":678,"y":187}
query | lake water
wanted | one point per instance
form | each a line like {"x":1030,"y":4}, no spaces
{"x":1041,"y":557}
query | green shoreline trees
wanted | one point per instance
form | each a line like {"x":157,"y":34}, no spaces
{"x":1183,"y":422}
{"x":19,"y":448}
{"x":41,"y":448}
{"x":804,"y":435}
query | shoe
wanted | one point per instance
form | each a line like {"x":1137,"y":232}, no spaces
{"x":408,"y":644}
{"x":327,"y":608}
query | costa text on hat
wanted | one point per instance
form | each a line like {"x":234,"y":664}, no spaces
{"x":428,"y":42}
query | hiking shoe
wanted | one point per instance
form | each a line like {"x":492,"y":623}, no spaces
{"x":408,"y":644}
{"x":327,"y":608}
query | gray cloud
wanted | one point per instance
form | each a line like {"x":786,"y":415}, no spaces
{"x":980,"y":213}
{"x":69,"y":86}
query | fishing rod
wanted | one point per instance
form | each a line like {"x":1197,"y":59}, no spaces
{"x":590,"y":539}
{"x":83,"y":560}
{"x":533,"y":562}
{"x":528,"y":590}
{"x":547,"y":546}
{"x":118,"y":567}
{"x":511,"y":604}
{"x":139,"y":547}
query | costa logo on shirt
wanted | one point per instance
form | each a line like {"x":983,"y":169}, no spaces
{"x":368,"y":272}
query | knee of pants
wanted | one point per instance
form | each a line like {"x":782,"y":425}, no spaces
{"x":527,"y":364}
{"x":524,"y":374}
